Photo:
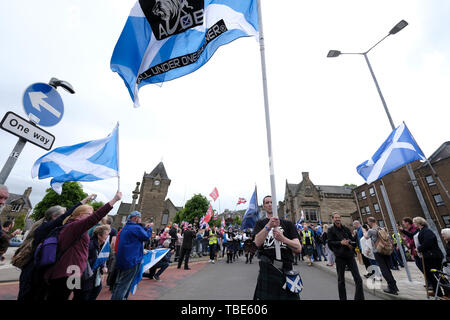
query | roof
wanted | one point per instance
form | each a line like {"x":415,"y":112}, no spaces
{"x":335,"y":189}
{"x":14,"y":198}
{"x":124,"y":208}
{"x":159,"y":170}
{"x":443,"y":152}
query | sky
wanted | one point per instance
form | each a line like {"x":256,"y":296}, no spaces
{"x":208,"y":127}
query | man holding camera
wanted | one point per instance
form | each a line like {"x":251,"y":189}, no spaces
{"x":342,"y":243}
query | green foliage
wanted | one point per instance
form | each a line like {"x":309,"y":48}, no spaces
{"x":237,"y":221}
{"x":195,"y":207}
{"x":72,"y":193}
{"x":96,"y":205}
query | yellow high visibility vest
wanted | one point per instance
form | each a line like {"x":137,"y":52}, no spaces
{"x":304,"y":238}
{"x":212,"y":237}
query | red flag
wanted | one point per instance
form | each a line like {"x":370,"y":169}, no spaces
{"x":241,"y":200}
{"x":214,"y":194}
{"x":209,"y":214}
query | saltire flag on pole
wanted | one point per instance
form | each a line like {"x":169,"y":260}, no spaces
{"x":166,"y":39}
{"x":399,"y":149}
{"x":87,"y":161}
{"x":214,"y":194}
{"x":241,"y":201}
{"x":149,"y":259}
{"x":103,"y":255}
{"x":252,"y":214}
{"x":299,"y":224}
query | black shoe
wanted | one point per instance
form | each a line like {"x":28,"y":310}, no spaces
{"x":156,"y":278}
{"x":367,"y":276}
{"x":295,"y":263}
{"x":395,"y":293}
{"x":178,"y":267}
{"x":187,"y":268}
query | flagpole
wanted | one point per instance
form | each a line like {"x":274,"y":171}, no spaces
{"x":269,"y":135}
{"x":118,"y":157}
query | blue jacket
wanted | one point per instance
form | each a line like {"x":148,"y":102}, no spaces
{"x":130,"y":249}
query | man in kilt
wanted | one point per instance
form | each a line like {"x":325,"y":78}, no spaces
{"x":272,"y":273}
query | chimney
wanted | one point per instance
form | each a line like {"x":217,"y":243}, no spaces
{"x":305,"y":176}
{"x":27,"y":192}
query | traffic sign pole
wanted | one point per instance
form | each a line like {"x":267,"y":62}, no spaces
{"x":12,"y":160}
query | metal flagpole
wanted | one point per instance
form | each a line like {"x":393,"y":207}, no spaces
{"x":118,"y":154}
{"x":269,"y":135}
{"x":394,"y":227}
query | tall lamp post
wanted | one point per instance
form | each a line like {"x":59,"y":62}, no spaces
{"x":335,"y":53}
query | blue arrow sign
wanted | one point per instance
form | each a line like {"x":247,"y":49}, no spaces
{"x":43,"y":104}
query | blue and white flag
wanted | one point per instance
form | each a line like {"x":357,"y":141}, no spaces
{"x":293,"y":282}
{"x":103,"y":255}
{"x":88,"y":161}
{"x":149,"y":259}
{"x":252,"y":213}
{"x":399,"y":149}
{"x":299,"y":224}
{"x":166,"y":39}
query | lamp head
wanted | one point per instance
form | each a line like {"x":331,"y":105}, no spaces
{"x":333,"y":53}
{"x":399,"y":26}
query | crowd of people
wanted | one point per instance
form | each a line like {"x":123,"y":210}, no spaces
{"x":80,"y":233}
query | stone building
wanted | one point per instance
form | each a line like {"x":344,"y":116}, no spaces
{"x":317,"y":202}
{"x":16,"y":205}
{"x":402,"y":196}
{"x":149,"y":198}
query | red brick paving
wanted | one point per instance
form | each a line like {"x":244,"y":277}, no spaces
{"x":148,"y":289}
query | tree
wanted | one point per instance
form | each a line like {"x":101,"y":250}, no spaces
{"x":19,"y":222}
{"x":195,"y":207}
{"x":97,"y":205}
{"x":72,"y":193}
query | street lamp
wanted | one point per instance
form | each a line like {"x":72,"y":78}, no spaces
{"x":336,"y":53}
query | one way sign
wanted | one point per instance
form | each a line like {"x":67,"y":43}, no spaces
{"x":43,"y":104}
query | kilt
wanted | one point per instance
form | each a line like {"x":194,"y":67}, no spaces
{"x":270,"y":284}
{"x":308,"y":250}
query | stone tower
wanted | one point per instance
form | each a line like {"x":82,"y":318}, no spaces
{"x":152,"y":196}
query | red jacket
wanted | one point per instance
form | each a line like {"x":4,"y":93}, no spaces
{"x":73,"y":241}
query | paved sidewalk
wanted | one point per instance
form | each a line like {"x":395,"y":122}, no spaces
{"x":413,"y":290}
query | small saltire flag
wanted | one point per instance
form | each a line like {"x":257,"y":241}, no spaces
{"x":103,"y":255}
{"x":399,"y":149}
{"x":166,"y":39}
{"x":241,"y":201}
{"x":214,"y":194}
{"x":252,"y":214}
{"x":299,"y":224}
{"x":148,"y":260}
{"x":293,"y":282}
{"x":87,"y":161}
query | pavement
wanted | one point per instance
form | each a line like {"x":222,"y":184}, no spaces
{"x":408,"y":290}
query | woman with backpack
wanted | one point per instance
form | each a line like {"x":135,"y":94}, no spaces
{"x":73,"y":246}
{"x":382,"y":250}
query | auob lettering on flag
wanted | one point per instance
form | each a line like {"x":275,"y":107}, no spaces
{"x":166,"y":39}
{"x":399,"y":149}
{"x":87,"y":161}
{"x":149,"y":259}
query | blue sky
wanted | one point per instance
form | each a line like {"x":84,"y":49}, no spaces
{"x":208,"y":127}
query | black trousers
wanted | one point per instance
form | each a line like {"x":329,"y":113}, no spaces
{"x":384,"y":262}
{"x":57,"y":290}
{"x":341,"y":262}
{"x":184,"y":254}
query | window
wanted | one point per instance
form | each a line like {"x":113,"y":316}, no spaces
{"x":446,"y":221}
{"x":430,"y":180}
{"x":165,"y":219}
{"x":367,"y":210}
{"x":311,"y":214}
{"x":363,"y":195}
{"x":438,"y":200}
{"x":381,"y":223}
{"x":363,"y":211}
{"x":372,"y":192}
{"x":376,"y":207}
{"x":16,"y":207}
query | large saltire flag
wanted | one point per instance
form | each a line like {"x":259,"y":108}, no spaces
{"x":399,"y":149}
{"x":87,"y":161}
{"x":252,"y":213}
{"x":149,"y":259}
{"x":166,"y":39}
{"x":103,"y":255}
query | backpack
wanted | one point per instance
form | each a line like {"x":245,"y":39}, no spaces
{"x":24,"y":253}
{"x":384,"y":245}
{"x":47,"y":253}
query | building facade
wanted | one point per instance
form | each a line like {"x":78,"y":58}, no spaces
{"x":16,"y":205}
{"x":402,"y":196}
{"x":318,"y":202}
{"x":149,"y":198}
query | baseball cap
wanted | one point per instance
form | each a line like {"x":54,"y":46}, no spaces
{"x":134,"y":214}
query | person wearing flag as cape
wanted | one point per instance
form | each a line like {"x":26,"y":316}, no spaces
{"x":272,"y":275}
